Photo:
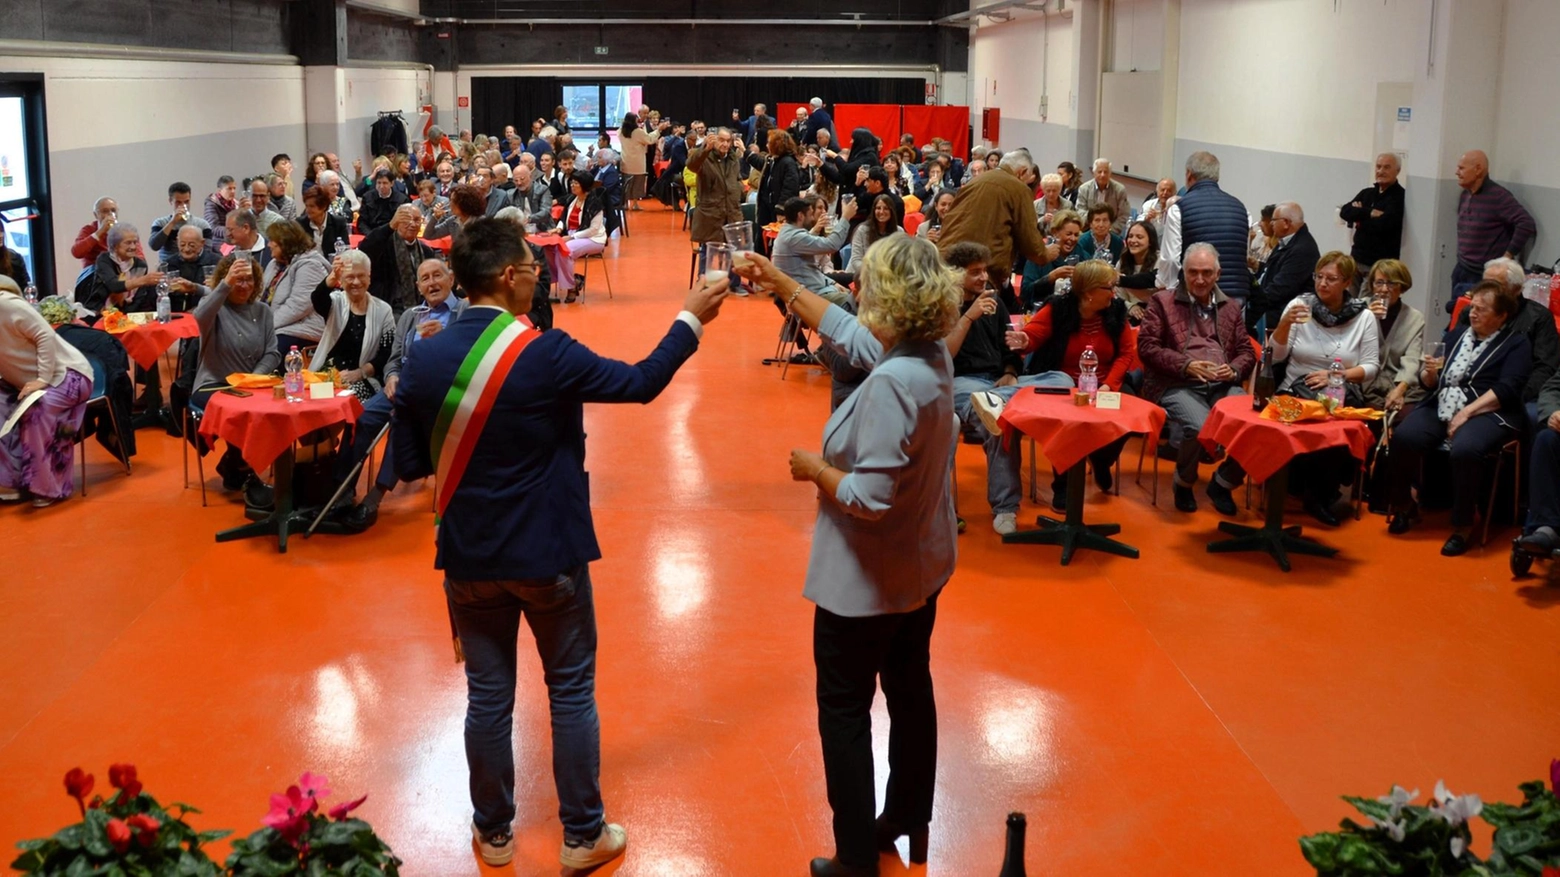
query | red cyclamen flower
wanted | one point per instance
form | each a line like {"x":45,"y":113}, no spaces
{"x":78,"y":785}
{"x":118,"y":835}
{"x":341,"y":811}
{"x":289,"y":814}
{"x":313,"y":786}
{"x":123,"y":777}
{"x":146,"y":828}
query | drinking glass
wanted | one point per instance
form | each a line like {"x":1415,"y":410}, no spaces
{"x":1301,"y":310}
{"x":739,"y":235}
{"x":207,"y":273}
{"x":1437,"y":354}
{"x":717,"y":262}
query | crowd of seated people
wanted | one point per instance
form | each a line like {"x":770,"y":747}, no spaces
{"x":1175,"y":295}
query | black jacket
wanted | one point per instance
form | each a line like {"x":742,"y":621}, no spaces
{"x":1503,"y":367}
{"x":107,"y":352}
{"x":781,"y":181}
{"x":1375,"y":237}
{"x":1288,"y":274}
{"x":379,"y":246}
{"x":193,"y":270}
{"x":1537,"y":324}
{"x":336,"y":229}
{"x":377,"y":212}
{"x":985,"y":352}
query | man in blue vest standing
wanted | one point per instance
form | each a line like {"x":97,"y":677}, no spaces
{"x":495,"y":408}
{"x":1207,"y":214}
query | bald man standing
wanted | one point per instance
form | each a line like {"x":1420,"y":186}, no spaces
{"x":1491,"y":224}
{"x":1376,"y":215}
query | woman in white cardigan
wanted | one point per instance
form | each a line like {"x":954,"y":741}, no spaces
{"x":634,"y":142}
{"x":584,"y":225}
{"x":296,"y":268}
{"x":359,"y":328}
{"x":1314,"y":331}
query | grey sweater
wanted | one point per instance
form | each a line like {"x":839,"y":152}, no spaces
{"x":234,"y":338}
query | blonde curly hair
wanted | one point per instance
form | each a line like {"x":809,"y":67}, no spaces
{"x":907,"y":293}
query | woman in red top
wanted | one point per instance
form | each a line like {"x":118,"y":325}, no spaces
{"x":1088,"y":315}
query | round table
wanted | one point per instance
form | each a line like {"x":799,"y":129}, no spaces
{"x":1068,"y":433}
{"x":147,"y":342}
{"x":266,"y":428}
{"x":1264,"y":448}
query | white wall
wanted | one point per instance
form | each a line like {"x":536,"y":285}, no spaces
{"x":1525,"y":131}
{"x":126,"y":129}
{"x":1013,"y":66}
{"x":370,"y":90}
{"x":1136,"y":36}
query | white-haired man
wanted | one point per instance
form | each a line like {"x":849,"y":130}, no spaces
{"x":1105,"y":190}
{"x":818,"y":120}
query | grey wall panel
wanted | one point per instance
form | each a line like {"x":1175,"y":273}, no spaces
{"x":663,"y":44}
{"x":120,"y":22}
{"x":23,"y":19}
{"x":379,"y":38}
{"x":211,"y":25}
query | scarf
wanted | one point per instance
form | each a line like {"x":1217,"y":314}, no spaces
{"x":1351,"y":309}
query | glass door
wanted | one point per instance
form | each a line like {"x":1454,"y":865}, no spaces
{"x":24,"y":178}
{"x":597,"y":107}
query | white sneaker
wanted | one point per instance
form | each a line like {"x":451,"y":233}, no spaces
{"x":1005,"y":523}
{"x":605,"y":847}
{"x":988,"y":407}
{"x":496,"y":850}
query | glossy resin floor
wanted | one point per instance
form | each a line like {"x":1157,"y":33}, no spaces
{"x":1180,"y":714}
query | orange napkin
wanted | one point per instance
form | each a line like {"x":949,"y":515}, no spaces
{"x":265,"y":382}
{"x":1288,"y":409}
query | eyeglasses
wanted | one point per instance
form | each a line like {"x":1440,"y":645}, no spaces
{"x":1378,"y":283}
{"x":532,"y":266}
{"x":1326,"y":278}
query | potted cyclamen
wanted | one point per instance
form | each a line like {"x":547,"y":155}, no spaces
{"x":298,"y":839}
{"x":127,"y":833}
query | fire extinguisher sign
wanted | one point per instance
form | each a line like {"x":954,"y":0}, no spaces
{"x":931,"y":93}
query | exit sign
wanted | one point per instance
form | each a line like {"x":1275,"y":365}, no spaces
{"x":601,"y":50}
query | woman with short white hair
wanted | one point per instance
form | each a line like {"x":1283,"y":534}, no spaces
{"x":359,"y":328}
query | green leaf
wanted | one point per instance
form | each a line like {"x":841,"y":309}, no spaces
{"x":1369,"y":806}
{"x":30,"y":862}
{"x":1321,"y":850}
{"x":207,"y":837}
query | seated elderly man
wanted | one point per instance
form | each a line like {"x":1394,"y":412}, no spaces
{"x":381,"y":203}
{"x":188,"y":269}
{"x":985,"y":368}
{"x":166,"y":228}
{"x":243,"y":231}
{"x":1105,"y":190}
{"x":260,"y":204}
{"x":92,"y":238}
{"x":532,"y":197}
{"x":439,"y":308}
{"x":1195,"y":351}
{"x":493,"y":198}
{"x":394,"y":252}
{"x":435,"y":208}
{"x":1533,"y":321}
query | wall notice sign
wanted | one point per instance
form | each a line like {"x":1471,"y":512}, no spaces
{"x":1405,"y":114}
{"x":463,"y":101}
{"x":1401,"y":129}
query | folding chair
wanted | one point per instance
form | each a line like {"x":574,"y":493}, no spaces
{"x":98,"y":400}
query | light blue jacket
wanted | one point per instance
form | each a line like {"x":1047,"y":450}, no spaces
{"x":885,"y":541}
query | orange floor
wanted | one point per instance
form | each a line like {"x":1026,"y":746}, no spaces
{"x":1179,"y":714}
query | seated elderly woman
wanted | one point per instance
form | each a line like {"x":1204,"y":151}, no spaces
{"x":1051,"y":201}
{"x":584,"y":224}
{"x":1089,"y":316}
{"x":1475,"y":408}
{"x":1402,"y":337}
{"x":359,"y":329}
{"x":237,"y":336}
{"x":120,"y":275}
{"x":295,"y":269}
{"x":1042,"y":281}
{"x":36,"y":456}
{"x":1314,"y":331}
{"x":1099,"y":242}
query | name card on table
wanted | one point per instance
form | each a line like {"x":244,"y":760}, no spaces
{"x":1107,"y":401}
{"x":322,"y":390}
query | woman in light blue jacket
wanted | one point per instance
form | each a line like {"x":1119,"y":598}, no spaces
{"x":883,"y":545}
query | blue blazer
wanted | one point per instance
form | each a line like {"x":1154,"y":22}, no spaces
{"x":1503,"y":367}
{"x":522,"y":511}
{"x":886,"y":541}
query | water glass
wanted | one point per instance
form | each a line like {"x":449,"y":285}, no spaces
{"x":739,"y":235}
{"x":717,"y":262}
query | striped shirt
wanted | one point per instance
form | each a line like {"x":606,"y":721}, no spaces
{"x":1490,"y":224}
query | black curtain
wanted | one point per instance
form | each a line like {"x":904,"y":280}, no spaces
{"x":497,"y":101}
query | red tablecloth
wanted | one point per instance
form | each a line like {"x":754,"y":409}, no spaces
{"x":545,"y":240}
{"x":354,"y":239}
{"x":1262,"y":447}
{"x":265,"y":426}
{"x":146,"y":343}
{"x":442,"y":244}
{"x":1068,"y":433}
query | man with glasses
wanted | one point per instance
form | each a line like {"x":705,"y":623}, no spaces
{"x":1288,"y":272}
{"x":1194,"y":349}
{"x":515,"y":537}
{"x":260,"y":205}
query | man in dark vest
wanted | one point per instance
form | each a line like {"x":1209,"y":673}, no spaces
{"x":1207,"y":214}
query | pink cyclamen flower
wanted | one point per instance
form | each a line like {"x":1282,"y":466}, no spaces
{"x":1554,"y":775}
{"x":313,"y":785}
{"x":289,"y":814}
{"x":341,"y":811}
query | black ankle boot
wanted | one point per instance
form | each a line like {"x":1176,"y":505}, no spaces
{"x":889,"y":833}
{"x":836,"y":868}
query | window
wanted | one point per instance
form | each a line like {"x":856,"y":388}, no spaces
{"x":24,"y":177}
{"x":595,"y":107}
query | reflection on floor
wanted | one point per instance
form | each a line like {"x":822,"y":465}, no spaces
{"x":1181,"y":714}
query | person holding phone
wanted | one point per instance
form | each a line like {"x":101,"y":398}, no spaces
{"x":1476,"y":378}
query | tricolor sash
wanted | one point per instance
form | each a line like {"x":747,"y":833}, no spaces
{"x":471,"y":397}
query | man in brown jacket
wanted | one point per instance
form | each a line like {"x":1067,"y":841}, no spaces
{"x":720,"y":188}
{"x":997,"y":210}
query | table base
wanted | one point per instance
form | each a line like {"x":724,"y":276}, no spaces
{"x":1072,"y":533}
{"x":284,"y":519}
{"x":1273,"y":537}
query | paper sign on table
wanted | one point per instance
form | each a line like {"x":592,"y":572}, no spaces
{"x":1107,"y":401}
{"x":322,"y":390}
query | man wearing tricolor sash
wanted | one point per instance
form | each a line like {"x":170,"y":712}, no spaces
{"x":494,"y":409}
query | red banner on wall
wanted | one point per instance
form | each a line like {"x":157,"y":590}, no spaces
{"x":883,"y":119}
{"x":950,"y":123}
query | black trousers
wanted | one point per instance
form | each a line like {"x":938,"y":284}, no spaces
{"x":1475,"y":442}
{"x":850,"y":655}
{"x":1544,"y":480}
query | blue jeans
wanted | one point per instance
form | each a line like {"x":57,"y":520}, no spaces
{"x":1004,"y":488}
{"x":562,"y":617}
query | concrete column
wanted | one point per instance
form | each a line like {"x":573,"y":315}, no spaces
{"x":325,"y":113}
{"x":1088,"y":29}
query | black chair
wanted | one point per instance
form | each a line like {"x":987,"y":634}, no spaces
{"x":98,"y":399}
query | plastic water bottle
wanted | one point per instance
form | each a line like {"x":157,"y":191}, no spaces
{"x":294,"y":379}
{"x":1088,"y":372}
{"x":164,"y":304}
{"x":30,"y":294}
{"x":1335,"y":381}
